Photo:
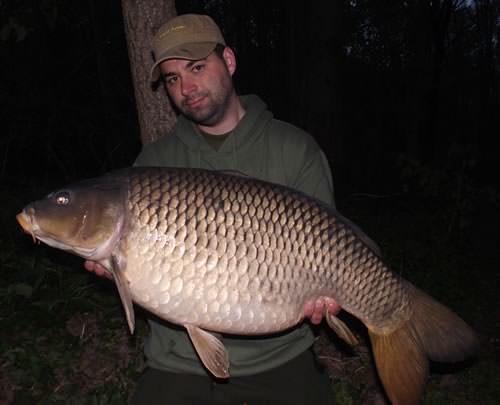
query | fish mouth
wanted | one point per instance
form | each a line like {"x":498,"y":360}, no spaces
{"x":26,"y":223}
{"x":26,"y":219}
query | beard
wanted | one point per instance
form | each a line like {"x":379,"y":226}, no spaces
{"x":214,"y":104}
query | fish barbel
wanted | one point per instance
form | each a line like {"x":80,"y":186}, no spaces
{"x":218,"y":252}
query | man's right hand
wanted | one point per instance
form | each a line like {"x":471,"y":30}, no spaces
{"x":96,"y":268}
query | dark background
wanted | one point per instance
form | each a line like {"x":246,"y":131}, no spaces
{"x":402,"y":96}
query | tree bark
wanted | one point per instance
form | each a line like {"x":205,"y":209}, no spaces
{"x":141,"y":20}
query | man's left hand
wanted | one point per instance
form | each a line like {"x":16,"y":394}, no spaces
{"x":315,"y":309}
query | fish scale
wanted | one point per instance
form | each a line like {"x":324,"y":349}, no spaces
{"x":295,"y":261}
{"x":225,"y":253}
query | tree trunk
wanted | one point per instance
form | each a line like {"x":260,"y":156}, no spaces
{"x":141,"y":20}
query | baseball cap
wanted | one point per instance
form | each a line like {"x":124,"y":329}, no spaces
{"x":188,"y":36}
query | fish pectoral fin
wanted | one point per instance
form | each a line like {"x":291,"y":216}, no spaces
{"x":124,"y":292}
{"x":211,"y":350}
{"x":341,"y":329}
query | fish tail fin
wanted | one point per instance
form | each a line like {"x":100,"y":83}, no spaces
{"x":432,"y":332}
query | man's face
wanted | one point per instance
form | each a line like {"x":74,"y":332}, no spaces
{"x":200,"y":89}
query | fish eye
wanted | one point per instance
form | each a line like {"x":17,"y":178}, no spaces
{"x":62,"y":198}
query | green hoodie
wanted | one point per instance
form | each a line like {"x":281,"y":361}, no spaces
{"x":261,"y":147}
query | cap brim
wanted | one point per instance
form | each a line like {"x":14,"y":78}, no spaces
{"x":190,"y":51}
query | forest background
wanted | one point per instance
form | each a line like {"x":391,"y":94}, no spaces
{"x":403,"y":97}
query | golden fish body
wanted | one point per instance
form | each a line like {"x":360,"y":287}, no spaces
{"x":234,"y":255}
{"x":231,"y":254}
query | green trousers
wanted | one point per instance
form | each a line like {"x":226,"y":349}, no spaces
{"x":298,"y":382}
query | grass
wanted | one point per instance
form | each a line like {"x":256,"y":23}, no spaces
{"x":64,"y":339}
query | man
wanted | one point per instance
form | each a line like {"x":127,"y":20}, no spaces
{"x":219,"y":130}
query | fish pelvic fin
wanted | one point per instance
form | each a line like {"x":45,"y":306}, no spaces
{"x":402,"y":356}
{"x":124,"y":292}
{"x":211,"y":350}
{"x":341,"y":329}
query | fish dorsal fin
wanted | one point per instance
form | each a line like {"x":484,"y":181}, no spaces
{"x":124,"y":292}
{"x":211,"y":350}
{"x":234,"y":173}
{"x":341,"y":329}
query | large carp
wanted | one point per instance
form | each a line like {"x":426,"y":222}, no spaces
{"x":225,"y":253}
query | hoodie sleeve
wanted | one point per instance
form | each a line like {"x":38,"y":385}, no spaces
{"x":150,"y":156}
{"x":315,"y":179}
{"x":307,"y":166}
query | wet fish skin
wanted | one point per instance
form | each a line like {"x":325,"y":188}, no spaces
{"x":231,"y":254}
{"x":251,"y":242}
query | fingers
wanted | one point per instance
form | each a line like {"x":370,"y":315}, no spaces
{"x":96,"y":268}
{"x":308,"y":309}
{"x":332,"y":306}
{"x":319,"y":308}
{"x":89,"y":265}
{"x":315,"y":309}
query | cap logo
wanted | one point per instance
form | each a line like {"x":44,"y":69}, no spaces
{"x":177,"y":28}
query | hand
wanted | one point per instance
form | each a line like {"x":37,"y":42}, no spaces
{"x":315,"y":309}
{"x":96,"y":268}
